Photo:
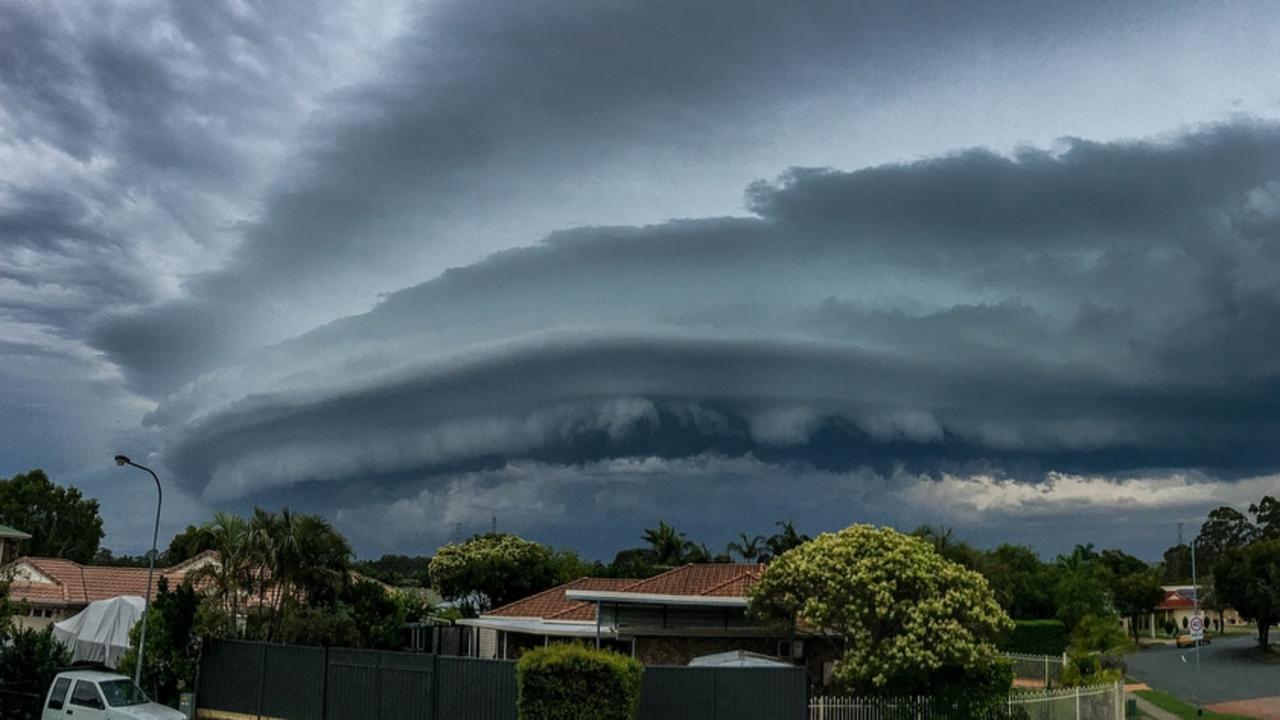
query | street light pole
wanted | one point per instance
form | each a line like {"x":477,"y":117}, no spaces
{"x":151,"y":569}
{"x":1196,"y":591}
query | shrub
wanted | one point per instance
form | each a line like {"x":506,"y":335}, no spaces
{"x":1097,"y":633}
{"x":32,"y":656}
{"x":572,"y":682}
{"x":1036,"y":637}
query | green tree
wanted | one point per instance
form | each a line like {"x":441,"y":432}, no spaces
{"x":1136,"y":595}
{"x":747,"y":547}
{"x":62,"y":523}
{"x":32,"y":656}
{"x":1226,"y":528}
{"x":785,"y":539}
{"x":188,"y":544}
{"x":667,"y":546}
{"x":1248,"y":579}
{"x":492,"y":570}
{"x":1175,"y":567}
{"x":1022,"y":582}
{"x":173,"y":645}
{"x":910,"y":620}
{"x":1266,"y":514}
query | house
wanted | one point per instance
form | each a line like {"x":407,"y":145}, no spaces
{"x":54,"y":589}
{"x":9,"y":539}
{"x":1178,"y":607}
{"x":668,"y":619}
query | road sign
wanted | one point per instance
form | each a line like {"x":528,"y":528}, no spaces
{"x":1196,"y":626}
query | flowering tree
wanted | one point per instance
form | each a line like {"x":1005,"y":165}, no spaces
{"x":907,"y":620}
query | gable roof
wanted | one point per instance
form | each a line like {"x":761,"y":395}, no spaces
{"x":573,"y":601}
{"x":553,"y":604}
{"x":55,"y":581}
{"x":711,"y":580}
{"x":1178,"y":599}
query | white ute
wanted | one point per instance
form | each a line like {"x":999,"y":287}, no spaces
{"x":86,"y":695}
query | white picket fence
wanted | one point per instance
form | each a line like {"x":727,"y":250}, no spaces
{"x":1097,"y":702}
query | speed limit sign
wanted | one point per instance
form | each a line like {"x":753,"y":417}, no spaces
{"x":1196,"y":626}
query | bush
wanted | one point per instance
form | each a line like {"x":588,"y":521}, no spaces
{"x":572,"y":682}
{"x":1036,"y":637}
{"x":32,"y":656}
{"x":1096,"y":633}
{"x":1087,"y":669}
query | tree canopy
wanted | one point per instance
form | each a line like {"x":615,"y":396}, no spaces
{"x":1248,"y":579}
{"x":493,"y":569}
{"x":62,"y":523}
{"x":910,"y":619}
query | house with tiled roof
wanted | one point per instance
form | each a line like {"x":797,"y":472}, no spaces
{"x":668,"y":619}
{"x":54,"y":588}
{"x":1176,"y":609}
{"x":9,"y":540}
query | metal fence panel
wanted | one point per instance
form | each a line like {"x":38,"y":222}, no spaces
{"x":353,"y":688}
{"x":408,"y":686}
{"x":231,"y":676}
{"x":474,"y":689}
{"x":676,"y":693}
{"x":293,"y":682}
{"x":761,"y":693}
{"x":682,"y":693}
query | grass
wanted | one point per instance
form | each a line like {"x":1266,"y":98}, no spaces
{"x":1165,"y":701}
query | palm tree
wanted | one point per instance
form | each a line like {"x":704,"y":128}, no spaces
{"x":748,"y":549}
{"x":666,"y":544}
{"x":785,"y":539}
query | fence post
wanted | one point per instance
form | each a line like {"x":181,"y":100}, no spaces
{"x":1047,"y":684}
{"x":1077,"y":702}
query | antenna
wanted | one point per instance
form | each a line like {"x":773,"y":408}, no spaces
{"x":1180,"y":533}
{"x":493,"y":528}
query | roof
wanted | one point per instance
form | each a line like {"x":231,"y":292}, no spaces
{"x":711,"y":584}
{"x":553,"y":604}
{"x":55,"y":581}
{"x":13,"y":533}
{"x":1178,"y":599}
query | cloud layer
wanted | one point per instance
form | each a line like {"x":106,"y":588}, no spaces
{"x":403,"y":263}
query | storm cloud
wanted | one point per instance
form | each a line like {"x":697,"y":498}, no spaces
{"x":415,"y":265}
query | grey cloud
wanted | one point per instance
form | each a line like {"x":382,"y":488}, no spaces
{"x":498,"y":119}
{"x":807,"y":345}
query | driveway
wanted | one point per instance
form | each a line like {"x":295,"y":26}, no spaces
{"x":1227,"y":673}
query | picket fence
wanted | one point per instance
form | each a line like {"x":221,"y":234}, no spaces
{"x":1097,"y":702}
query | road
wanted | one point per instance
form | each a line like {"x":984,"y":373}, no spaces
{"x":1227,"y":672}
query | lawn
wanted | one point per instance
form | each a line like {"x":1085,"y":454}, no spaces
{"x":1165,"y":701}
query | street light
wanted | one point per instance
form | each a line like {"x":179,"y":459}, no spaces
{"x":151,"y":568}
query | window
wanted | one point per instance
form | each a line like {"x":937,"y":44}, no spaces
{"x":86,"y":695}
{"x":59,"y":693}
{"x":121,"y":693}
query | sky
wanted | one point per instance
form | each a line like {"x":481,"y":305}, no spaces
{"x":1008,"y":267}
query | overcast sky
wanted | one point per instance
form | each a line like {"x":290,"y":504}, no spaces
{"x":1009,"y":267}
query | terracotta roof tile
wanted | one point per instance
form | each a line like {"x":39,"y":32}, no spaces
{"x":552,"y":604}
{"x":713,"y":580}
{"x":76,"y":584}
{"x":719,"y":580}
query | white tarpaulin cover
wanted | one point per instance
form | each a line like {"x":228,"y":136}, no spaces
{"x":738,"y":658}
{"x":100,"y":632}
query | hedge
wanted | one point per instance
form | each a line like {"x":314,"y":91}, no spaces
{"x":572,"y":682}
{"x":1037,"y":637}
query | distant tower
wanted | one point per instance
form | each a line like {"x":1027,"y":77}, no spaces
{"x":1179,"y":533}
{"x":493,"y":527}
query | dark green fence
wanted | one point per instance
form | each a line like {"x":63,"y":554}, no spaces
{"x":304,"y":683}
